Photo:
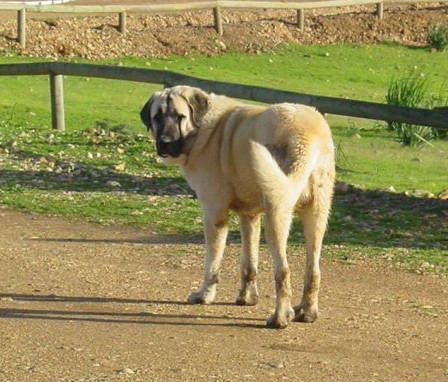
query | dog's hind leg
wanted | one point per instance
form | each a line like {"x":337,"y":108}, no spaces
{"x":278,"y":220}
{"x":215,"y":230}
{"x":250,"y":238}
{"x":314,"y":222}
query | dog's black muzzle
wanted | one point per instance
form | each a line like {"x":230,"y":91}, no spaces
{"x":167,"y":147}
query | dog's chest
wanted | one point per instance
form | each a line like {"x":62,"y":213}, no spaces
{"x":203,"y":181}
{"x":248,"y":207}
{"x":212,"y":187}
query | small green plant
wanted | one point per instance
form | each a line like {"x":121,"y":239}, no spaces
{"x":438,"y":37}
{"x":409,"y":91}
{"x":415,"y":135}
{"x":406,"y":91}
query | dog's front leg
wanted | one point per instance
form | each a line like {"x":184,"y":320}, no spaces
{"x":215,"y":231}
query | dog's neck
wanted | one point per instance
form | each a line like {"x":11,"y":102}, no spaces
{"x":218,"y":107}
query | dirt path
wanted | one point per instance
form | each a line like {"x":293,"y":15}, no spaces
{"x":82,"y":302}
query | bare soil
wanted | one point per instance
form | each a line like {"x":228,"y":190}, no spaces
{"x":83,"y":302}
{"x":97,"y":37}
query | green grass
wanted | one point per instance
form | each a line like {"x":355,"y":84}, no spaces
{"x":351,"y":71}
{"x":377,"y":161}
{"x":108,"y":172}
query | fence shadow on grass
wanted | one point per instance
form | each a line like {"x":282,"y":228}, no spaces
{"x":384,"y":219}
{"x":83,"y":177}
{"x":359,"y":217}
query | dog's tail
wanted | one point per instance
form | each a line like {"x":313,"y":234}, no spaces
{"x":274,"y":183}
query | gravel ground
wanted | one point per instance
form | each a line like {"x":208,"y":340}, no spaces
{"x":188,"y":32}
{"x":83,"y":302}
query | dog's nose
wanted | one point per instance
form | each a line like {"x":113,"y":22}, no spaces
{"x":166,"y":138}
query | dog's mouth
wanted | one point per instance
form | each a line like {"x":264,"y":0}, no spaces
{"x":169,"y":149}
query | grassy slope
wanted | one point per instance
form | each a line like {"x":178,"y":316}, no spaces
{"x":360,"y":72}
{"x":362,"y":222}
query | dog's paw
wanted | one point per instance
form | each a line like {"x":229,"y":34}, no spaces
{"x":247,"y":297}
{"x":280,"y":320}
{"x":276,"y":322}
{"x":248,"y":300}
{"x":305,"y":314}
{"x":200,"y":298}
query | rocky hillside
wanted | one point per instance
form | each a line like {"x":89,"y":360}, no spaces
{"x":161,"y":35}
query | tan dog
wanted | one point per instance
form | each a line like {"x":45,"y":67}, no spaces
{"x":253,"y":159}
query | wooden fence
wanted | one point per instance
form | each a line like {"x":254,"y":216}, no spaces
{"x":215,"y":5}
{"x":340,"y":106}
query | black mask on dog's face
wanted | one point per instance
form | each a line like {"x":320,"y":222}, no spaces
{"x":166,"y":127}
{"x":169,"y":142}
{"x":174,"y":116}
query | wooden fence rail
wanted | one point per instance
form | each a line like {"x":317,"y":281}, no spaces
{"x":216,"y":6}
{"x":340,"y":106}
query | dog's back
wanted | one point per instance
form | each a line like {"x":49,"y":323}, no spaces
{"x":279,"y":151}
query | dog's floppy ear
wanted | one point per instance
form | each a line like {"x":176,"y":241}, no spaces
{"x":145,"y":114}
{"x":199,"y":103}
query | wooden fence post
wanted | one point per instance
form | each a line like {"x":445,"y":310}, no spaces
{"x":122,"y":22}
{"x":301,"y":19}
{"x":218,"y":21}
{"x":379,"y":10}
{"x":21,"y":27}
{"x":57,"y":101}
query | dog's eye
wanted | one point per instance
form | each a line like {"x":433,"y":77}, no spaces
{"x":158,"y":117}
{"x":180,"y":117}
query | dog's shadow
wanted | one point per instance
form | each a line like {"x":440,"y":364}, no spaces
{"x":120,"y":317}
{"x":148,"y":239}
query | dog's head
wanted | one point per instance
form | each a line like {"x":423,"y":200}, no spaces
{"x":174,"y":117}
